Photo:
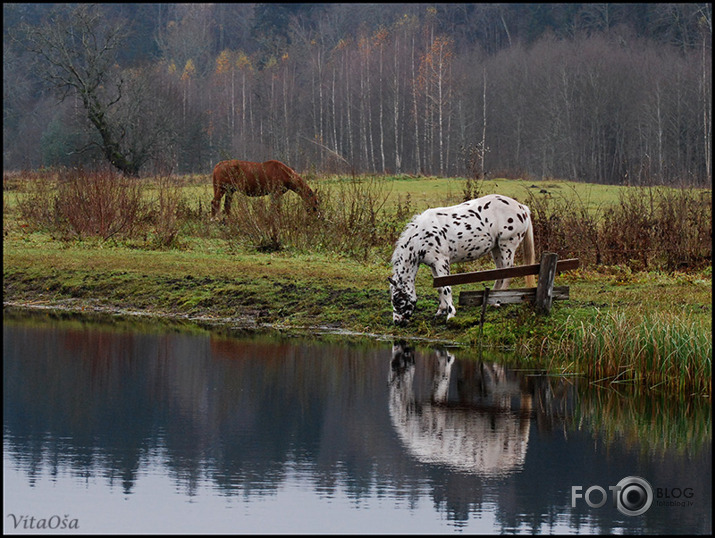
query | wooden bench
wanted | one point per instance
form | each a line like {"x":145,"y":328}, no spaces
{"x":542,"y":295}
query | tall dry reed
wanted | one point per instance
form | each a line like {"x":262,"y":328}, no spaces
{"x":673,"y":353}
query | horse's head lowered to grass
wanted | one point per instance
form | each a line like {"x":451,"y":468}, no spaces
{"x":404,"y":299}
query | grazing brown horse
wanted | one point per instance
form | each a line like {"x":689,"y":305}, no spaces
{"x":257,"y":179}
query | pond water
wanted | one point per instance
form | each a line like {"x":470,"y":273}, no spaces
{"x":112,"y":428}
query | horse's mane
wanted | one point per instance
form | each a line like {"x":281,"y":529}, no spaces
{"x":292,"y":176}
{"x":404,"y":238}
{"x":285,"y":169}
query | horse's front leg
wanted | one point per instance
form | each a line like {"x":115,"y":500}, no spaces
{"x":216,"y":202}
{"x":446,"y":306}
{"x":215,"y":206}
{"x":227,"y":202}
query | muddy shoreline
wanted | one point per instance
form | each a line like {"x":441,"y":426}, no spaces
{"x":241,"y":324}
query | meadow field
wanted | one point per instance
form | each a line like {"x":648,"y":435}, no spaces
{"x":640,"y":309}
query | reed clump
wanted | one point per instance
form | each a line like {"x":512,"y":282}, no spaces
{"x":670,"y":352}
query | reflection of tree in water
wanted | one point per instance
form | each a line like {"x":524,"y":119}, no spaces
{"x":482,"y":432}
{"x":240,"y":414}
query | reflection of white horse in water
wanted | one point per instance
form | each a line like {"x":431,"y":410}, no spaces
{"x":487,"y":440}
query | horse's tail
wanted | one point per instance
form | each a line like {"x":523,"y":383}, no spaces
{"x":530,"y":252}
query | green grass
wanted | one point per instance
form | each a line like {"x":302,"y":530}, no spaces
{"x":426,"y":192}
{"x":653,"y":325}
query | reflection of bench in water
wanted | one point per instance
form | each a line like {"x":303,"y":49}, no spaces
{"x":488,"y":440}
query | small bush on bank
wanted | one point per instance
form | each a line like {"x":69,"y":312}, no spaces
{"x":102,"y":204}
{"x":81,"y":204}
{"x":166,"y":215}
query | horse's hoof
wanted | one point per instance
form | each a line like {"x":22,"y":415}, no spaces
{"x":446,"y":314}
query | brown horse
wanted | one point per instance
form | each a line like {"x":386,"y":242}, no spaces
{"x":257,"y":179}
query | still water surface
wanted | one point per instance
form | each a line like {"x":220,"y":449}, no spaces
{"x":118,"y":429}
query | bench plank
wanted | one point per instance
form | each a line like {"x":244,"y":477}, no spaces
{"x":496,"y":274}
{"x":512,"y":296}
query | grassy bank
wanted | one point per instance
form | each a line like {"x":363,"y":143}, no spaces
{"x":641,"y":322}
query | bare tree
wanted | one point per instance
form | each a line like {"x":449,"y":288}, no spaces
{"x":435,"y":71}
{"x":77,"y":51}
{"x":706,"y":29}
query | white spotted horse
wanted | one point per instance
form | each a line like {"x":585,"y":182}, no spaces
{"x":441,"y":236}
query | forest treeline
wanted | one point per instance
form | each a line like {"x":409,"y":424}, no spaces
{"x":607,"y":93}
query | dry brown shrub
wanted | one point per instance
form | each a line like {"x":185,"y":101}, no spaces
{"x":84,"y":204}
{"x":649,"y":228}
